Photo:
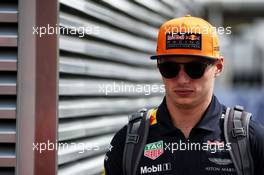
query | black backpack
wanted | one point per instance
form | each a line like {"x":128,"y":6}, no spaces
{"x":236,"y":129}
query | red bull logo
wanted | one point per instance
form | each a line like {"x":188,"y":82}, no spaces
{"x":193,"y":37}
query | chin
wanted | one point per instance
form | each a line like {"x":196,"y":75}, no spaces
{"x":182,"y":99}
{"x":184,"y":102}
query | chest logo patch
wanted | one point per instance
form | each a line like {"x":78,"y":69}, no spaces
{"x":154,"y":150}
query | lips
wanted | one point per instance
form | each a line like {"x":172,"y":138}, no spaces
{"x":183,"y":92}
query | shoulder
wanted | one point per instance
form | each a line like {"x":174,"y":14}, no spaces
{"x":114,"y":155}
{"x":118,"y":140}
{"x":256,"y":135}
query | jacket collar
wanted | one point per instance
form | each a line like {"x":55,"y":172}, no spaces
{"x":208,"y":122}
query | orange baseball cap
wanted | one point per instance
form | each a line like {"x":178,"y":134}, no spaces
{"x":187,"y":36}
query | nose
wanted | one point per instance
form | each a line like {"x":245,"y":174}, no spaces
{"x":182,"y":77}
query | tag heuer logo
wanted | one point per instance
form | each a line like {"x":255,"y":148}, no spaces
{"x":154,"y":150}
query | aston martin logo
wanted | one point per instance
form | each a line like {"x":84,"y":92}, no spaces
{"x":220,"y":161}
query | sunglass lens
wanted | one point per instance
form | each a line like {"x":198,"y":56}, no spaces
{"x":169,"y":69}
{"x":195,"y":70}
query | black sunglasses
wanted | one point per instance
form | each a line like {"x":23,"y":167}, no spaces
{"x":194,"y":70}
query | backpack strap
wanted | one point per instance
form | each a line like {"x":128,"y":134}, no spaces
{"x":236,"y":131}
{"x":136,"y":138}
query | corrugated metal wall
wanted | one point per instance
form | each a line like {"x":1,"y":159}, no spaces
{"x":8,"y":74}
{"x":121,"y":35}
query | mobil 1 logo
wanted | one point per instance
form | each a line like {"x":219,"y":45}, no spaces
{"x":155,"y":168}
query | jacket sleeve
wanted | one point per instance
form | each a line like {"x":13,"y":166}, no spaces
{"x":256,"y":133}
{"x":113,"y":159}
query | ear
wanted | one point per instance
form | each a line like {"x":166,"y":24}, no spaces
{"x":219,"y":66}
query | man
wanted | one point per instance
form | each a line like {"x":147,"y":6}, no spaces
{"x":188,"y":122}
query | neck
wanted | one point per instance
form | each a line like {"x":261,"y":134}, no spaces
{"x":185,"y":118}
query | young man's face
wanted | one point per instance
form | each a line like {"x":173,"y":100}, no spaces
{"x":184,"y":91}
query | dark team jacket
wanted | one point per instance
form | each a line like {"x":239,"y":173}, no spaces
{"x":167,"y":152}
